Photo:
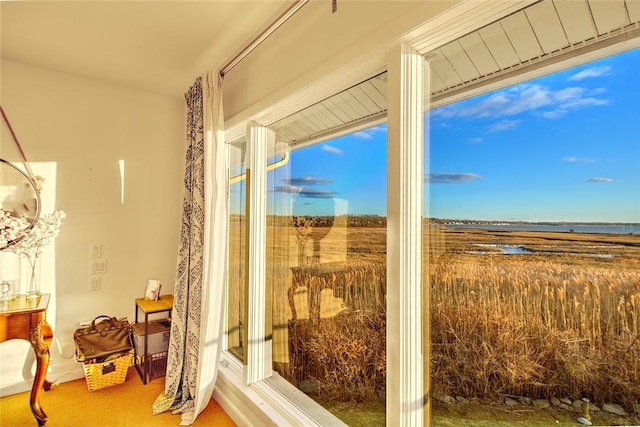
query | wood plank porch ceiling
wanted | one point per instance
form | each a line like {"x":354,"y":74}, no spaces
{"x":544,"y":37}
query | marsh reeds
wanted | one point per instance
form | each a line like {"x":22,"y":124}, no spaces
{"x":542,"y":325}
{"x":345,"y":354}
{"x":535,"y":328}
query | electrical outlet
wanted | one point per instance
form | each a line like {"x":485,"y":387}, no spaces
{"x":98,"y":266}
{"x":96,"y":284}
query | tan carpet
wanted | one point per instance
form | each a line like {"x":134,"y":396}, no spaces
{"x":129,"y":404}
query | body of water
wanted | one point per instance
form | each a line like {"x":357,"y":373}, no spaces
{"x":576,"y":228}
{"x":519,"y":250}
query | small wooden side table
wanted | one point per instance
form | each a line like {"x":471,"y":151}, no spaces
{"x":25,"y":318}
{"x":147,"y":307}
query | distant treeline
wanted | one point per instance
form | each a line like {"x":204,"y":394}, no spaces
{"x":381,"y":221}
{"x":322,"y":220}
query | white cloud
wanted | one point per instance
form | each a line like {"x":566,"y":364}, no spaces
{"x":363,"y":134}
{"x":524,"y":98}
{"x":575,"y":97}
{"x":598,"y":91}
{"x":304,"y":192}
{"x":504,"y":103}
{"x":371,"y":132}
{"x":502,"y":126}
{"x":332,"y":150}
{"x":556,"y":114}
{"x":573,"y":159}
{"x":600,"y":180}
{"x":451,"y":177}
{"x":476,"y":140}
{"x":590,"y":73}
{"x":290,"y":189}
{"x":306,"y":180}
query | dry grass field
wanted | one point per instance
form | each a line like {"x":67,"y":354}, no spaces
{"x":560,"y":321}
{"x":560,"y":317}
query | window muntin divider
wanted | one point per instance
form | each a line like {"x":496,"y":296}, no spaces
{"x":258,"y":365}
{"x":405,"y":393}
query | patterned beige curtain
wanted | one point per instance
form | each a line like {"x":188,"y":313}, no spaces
{"x":197,"y":317}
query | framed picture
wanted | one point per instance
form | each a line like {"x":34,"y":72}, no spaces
{"x":152,"y":293}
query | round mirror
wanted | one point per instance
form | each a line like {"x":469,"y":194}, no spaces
{"x":19,"y":204}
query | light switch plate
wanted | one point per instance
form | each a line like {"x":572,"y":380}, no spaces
{"x":96,"y":250}
{"x":96,"y":284}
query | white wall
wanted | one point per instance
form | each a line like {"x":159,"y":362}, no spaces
{"x":78,"y":131}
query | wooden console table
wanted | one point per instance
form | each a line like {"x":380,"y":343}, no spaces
{"x":25,"y":318}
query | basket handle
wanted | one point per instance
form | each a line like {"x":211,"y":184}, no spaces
{"x":112,"y":321}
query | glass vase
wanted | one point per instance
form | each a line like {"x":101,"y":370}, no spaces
{"x":33,"y":291}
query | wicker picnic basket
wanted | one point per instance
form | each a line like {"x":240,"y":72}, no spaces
{"x":104,"y":349}
{"x":105,"y":374}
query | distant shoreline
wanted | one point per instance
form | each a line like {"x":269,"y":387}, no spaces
{"x":378,"y":221}
{"x":564,"y":227}
{"x":542,"y":223}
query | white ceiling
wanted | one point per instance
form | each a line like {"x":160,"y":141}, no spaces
{"x":157,"y":46}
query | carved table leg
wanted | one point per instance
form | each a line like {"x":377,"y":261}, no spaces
{"x":41,"y":336}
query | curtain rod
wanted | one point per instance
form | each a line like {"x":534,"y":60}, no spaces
{"x":291,"y":10}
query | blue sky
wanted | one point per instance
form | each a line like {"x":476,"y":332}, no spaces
{"x":565,"y":147}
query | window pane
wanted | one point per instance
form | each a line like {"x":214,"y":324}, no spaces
{"x":237,"y":251}
{"x":534,"y":249}
{"x":326,"y":273}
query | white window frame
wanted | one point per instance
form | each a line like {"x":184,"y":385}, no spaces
{"x":406,"y":83}
{"x":257,"y":399}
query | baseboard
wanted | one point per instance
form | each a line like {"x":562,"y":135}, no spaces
{"x":70,"y":375}
{"x":55,"y":378}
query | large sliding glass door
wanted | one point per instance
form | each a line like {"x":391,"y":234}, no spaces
{"x":326,"y":273}
{"x":311,"y":257}
{"x":534,"y":259}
